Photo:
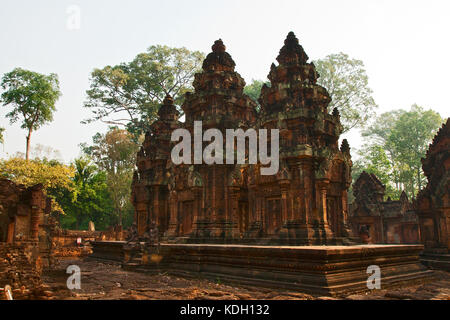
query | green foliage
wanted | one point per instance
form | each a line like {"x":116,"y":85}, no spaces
{"x":129,"y":94}
{"x":90,"y":199}
{"x":397,"y":140}
{"x":253,"y":90}
{"x":32,"y":96}
{"x":374,"y":159}
{"x":115,"y":154}
{"x":348,"y":85}
{"x":2,"y":139}
{"x":53,"y":175}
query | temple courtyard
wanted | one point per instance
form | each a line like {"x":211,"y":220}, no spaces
{"x":102,"y":280}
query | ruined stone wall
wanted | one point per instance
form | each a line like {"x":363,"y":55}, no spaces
{"x":20,"y":268}
{"x":22,"y":211}
{"x":433,"y":202}
{"x":379,"y":221}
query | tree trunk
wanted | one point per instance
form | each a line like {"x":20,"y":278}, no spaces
{"x":27,"y":154}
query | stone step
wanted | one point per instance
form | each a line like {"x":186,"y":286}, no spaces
{"x":436,"y":264}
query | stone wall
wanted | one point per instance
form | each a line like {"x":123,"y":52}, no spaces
{"x":433,"y":202}
{"x":20,"y":268}
{"x":378,"y":221}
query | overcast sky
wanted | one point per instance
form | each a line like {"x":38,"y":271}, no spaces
{"x":404,"y":45}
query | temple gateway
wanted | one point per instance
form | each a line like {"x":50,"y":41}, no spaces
{"x":305,"y":203}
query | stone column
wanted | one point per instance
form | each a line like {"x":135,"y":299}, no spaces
{"x":308,"y":187}
{"x":197,"y":211}
{"x":233,"y":193}
{"x":284,"y":201}
{"x":344,"y":226}
{"x":36,"y":202}
{"x":156,"y":210}
{"x":321,"y":197}
{"x":173,"y":221}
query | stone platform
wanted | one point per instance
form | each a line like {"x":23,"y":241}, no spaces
{"x":324,"y":270}
{"x":436,"y":260}
{"x":108,"y":250}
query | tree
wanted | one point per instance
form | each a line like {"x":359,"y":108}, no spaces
{"x":53,"y":175}
{"x":348,"y":85}
{"x":32,"y":96}
{"x":253,"y":90}
{"x":411,"y":136}
{"x":404,"y":136}
{"x":129,"y":94}
{"x":2,"y":139}
{"x":115,"y":153}
{"x":89,"y":200}
{"x":374,"y":159}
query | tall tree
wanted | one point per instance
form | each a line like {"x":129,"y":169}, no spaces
{"x":115,"y":153}
{"x":32,"y":96}
{"x":348,"y":85}
{"x":89,"y":200}
{"x":404,"y":136}
{"x":374,"y":159}
{"x":128,"y":94}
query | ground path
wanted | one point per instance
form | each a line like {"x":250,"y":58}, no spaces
{"x":107,"y":280}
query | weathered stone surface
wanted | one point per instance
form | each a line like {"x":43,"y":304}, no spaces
{"x":22,"y":210}
{"x":433,"y":202}
{"x":379,"y":221}
{"x":102,"y":280}
{"x":20,"y":268}
{"x":261,"y":218}
{"x":329,"y":270}
{"x":305,"y":203}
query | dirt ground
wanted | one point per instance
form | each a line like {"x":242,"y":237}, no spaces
{"x":107,"y":280}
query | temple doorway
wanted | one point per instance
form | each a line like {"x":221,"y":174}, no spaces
{"x":186,"y":218}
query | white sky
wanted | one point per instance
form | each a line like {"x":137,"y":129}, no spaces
{"x":404,"y":45}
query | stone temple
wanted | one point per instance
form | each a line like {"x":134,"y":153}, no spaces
{"x":305,"y":203}
{"x":230,"y":221}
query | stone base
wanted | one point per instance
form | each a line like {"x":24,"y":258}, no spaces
{"x":108,"y":250}
{"x":323,"y":270}
{"x":436,"y":260}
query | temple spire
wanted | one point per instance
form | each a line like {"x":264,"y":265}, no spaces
{"x":218,"y":46}
{"x":168,"y":111}
{"x":218,"y":59}
{"x":292,"y":51}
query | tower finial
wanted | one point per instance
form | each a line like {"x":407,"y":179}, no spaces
{"x":291,"y":39}
{"x":292,"y":51}
{"x":218,"y":46}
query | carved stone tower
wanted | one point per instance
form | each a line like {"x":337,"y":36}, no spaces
{"x":306,"y":203}
{"x":205,"y":198}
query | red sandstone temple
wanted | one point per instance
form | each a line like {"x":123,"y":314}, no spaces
{"x":305,"y":203}
{"x":433,"y":202}
{"x":379,"y":221}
